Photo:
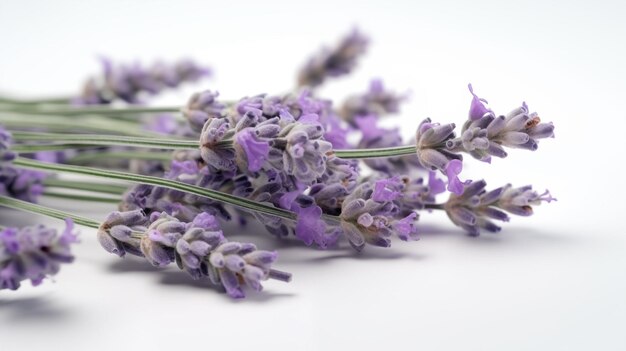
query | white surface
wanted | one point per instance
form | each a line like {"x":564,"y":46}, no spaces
{"x":555,"y":281}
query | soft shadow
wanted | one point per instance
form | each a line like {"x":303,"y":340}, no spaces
{"x":32,"y":309}
{"x":172,"y":278}
{"x":178,"y":278}
{"x":131,"y":264}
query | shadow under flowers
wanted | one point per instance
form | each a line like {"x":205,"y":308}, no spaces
{"x":37,"y":309}
{"x":171,"y":277}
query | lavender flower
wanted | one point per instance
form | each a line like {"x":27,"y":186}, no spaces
{"x":485,"y":135}
{"x":368,"y":216}
{"x":15,"y":182}
{"x":34,"y":253}
{"x":129,"y":82}
{"x":477,"y":107}
{"x":201,"y":107}
{"x":334,"y":62}
{"x":431,"y":140}
{"x":198,"y":247}
{"x":376,"y":102}
{"x":475,"y":208}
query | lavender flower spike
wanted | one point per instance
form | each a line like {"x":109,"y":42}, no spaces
{"x":488,"y":135}
{"x":130,"y":82}
{"x":333,"y":62}
{"x":198,"y":247}
{"x":475,"y":208}
{"x":368,"y":215}
{"x":34,"y":253}
{"x":377,"y":101}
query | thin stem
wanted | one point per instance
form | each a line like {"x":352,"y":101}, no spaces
{"x":87,"y":139}
{"x":24,"y":148}
{"x":108,"y":140}
{"x":86,"y":186}
{"x":47,"y":211}
{"x":14,"y":101}
{"x":156,"y":181}
{"x":125,"y":155}
{"x":89,"y":198}
{"x":63,"y":124}
{"x":375,"y":153}
{"x":434,"y":206}
{"x":102,"y":110}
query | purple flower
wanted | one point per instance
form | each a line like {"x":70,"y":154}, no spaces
{"x":453,"y":169}
{"x":365,"y":220}
{"x":405,"y":227}
{"x":436,"y":185}
{"x":376,"y":102}
{"x":476,"y":208}
{"x":256,"y":151}
{"x":387,"y":189}
{"x":130,"y":82}
{"x":477,"y":107}
{"x":431,"y":141}
{"x":488,"y":135}
{"x":201,"y":107}
{"x":22,"y":184}
{"x":198,"y":247}
{"x":34,"y":253}
{"x":334,"y":62}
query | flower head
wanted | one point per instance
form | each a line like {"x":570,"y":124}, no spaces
{"x":198,"y":247}
{"x":129,"y":82}
{"x":34,"y":253}
{"x":334,"y":62}
{"x":476,"y":208}
{"x":377,"y":101}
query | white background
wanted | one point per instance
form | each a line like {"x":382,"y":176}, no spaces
{"x":555,"y":281}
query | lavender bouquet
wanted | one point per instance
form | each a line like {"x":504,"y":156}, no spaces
{"x":306,"y":168}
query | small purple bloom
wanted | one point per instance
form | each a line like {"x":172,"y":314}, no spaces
{"x":477,"y":107}
{"x":256,"y":151}
{"x":453,"y":169}
{"x":436,"y":185}
{"x":387,"y":189}
{"x":405,"y":227}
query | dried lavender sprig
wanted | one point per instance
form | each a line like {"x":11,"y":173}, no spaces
{"x":476,"y":208}
{"x":33,"y":253}
{"x":129,"y":82}
{"x":334,"y":62}
{"x":198,"y":247}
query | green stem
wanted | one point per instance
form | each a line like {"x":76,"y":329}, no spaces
{"x":125,"y":155}
{"x":434,"y":206}
{"x":375,"y":153}
{"x":165,"y":183}
{"x":90,"y":198}
{"x":108,"y":140}
{"x":14,"y":101}
{"x":63,"y":124}
{"x":47,"y":211}
{"x":101,"y":110}
{"x":86,"y":186}
{"x":86,"y":139}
